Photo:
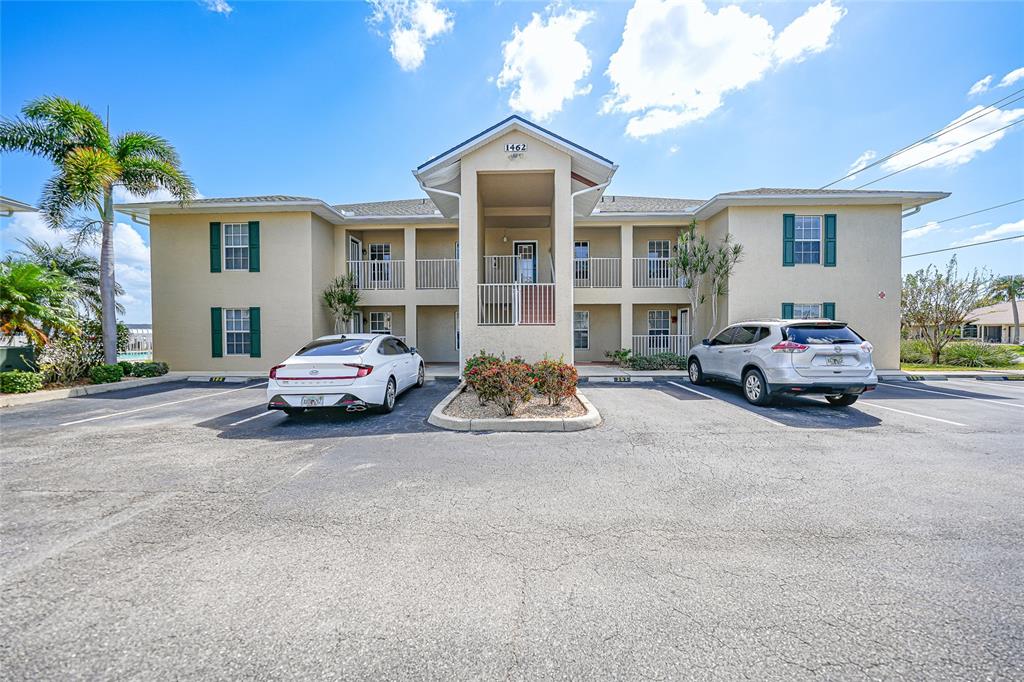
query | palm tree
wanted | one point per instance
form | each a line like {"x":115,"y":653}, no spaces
{"x":82,"y":270}
{"x":34,"y":301}
{"x":1009,"y":288}
{"x":89,"y":164}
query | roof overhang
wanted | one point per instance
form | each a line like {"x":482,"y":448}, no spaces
{"x":140,"y":212}
{"x":441,"y":176}
{"x":9,"y":207}
{"x":853,"y":198}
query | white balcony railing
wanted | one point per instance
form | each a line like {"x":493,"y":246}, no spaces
{"x":378,"y":274}
{"x":652,"y":344}
{"x":437,"y":273}
{"x":655,"y":273}
{"x":503,"y":269}
{"x":516,"y":304}
{"x":597,"y":272}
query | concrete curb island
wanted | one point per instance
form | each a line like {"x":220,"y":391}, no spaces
{"x":15,"y":399}
{"x":533,"y":424}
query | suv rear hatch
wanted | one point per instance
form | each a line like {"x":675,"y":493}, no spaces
{"x":833,"y":351}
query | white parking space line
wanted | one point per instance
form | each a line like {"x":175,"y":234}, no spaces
{"x":912,"y":414}
{"x":153,"y":407}
{"x":249,"y":419}
{"x":750,"y":412}
{"x":990,"y":401}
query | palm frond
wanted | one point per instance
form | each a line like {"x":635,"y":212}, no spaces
{"x":18,"y":135}
{"x":73,"y":121}
{"x":143,"y":145}
{"x":57,"y":203}
{"x":87,"y":171}
{"x":142,"y":176}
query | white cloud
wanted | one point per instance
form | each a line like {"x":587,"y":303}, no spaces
{"x":921,"y":231}
{"x":948,"y":142}
{"x":545,"y":62}
{"x":981,"y":86}
{"x":218,"y":6}
{"x":1004,"y":230}
{"x":674,"y":149}
{"x":1012,"y":77}
{"x":864,"y":159}
{"x":131,"y":256}
{"x":677,"y":59}
{"x":414,"y":25}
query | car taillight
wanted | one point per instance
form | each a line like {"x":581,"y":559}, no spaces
{"x":867,"y":347}
{"x":789,"y":347}
{"x":273,"y":371}
{"x":361,"y":370}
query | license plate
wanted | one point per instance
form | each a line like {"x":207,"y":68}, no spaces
{"x":312,"y":401}
{"x":834,"y":360}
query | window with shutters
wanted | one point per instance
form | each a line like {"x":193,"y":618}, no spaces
{"x":237,"y":335}
{"x":806,"y":311}
{"x":236,"y":246}
{"x":807,"y":239}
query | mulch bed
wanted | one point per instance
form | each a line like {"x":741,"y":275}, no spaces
{"x":467,"y":406}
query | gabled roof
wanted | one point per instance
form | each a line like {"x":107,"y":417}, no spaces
{"x":141,"y":211}
{"x":396,"y":208}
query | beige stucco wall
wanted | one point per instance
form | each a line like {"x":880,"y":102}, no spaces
{"x":321,"y":273}
{"x":604,"y":241}
{"x":496,"y":246}
{"x":642,"y":234}
{"x":397,"y":318}
{"x":436,"y":243}
{"x":604,"y":332}
{"x":640,"y":316}
{"x":532,"y":342}
{"x":868,"y":261}
{"x":184,"y":289}
{"x":435,"y":335}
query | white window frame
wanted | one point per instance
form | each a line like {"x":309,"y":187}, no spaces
{"x":807,"y":306}
{"x":385,"y":315}
{"x":243,"y":249}
{"x":667,"y":329}
{"x":581,"y":270}
{"x":576,"y":316}
{"x":797,"y":240}
{"x":245,"y":331}
{"x":655,"y":253}
{"x":384,"y":249}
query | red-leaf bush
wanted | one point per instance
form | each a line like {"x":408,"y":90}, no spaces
{"x":474,"y":368}
{"x":554,"y":379}
{"x":508,"y":383}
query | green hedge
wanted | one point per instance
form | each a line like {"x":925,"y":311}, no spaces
{"x":143,"y":369}
{"x":17,"y":381}
{"x":914,"y":351}
{"x":106,"y":374}
{"x":656,"y":361}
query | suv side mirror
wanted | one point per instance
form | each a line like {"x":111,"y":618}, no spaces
{"x":412,"y":349}
{"x":705,"y":342}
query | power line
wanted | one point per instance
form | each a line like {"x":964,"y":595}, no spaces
{"x":964,"y":246}
{"x":942,"y":131}
{"x":957,"y":217}
{"x":914,"y":165}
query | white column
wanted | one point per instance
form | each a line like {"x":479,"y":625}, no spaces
{"x":626,"y":248}
{"x":626,"y":325}
{"x":410,"y":324}
{"x":410,"y":258}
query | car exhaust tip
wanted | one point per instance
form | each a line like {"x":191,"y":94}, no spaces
{"x":355,"y":408}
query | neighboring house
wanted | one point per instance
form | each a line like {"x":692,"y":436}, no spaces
{"x":515,"y":249}
{"x":993,"y":323}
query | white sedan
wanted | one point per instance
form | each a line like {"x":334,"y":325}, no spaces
{"x":353,"y":371}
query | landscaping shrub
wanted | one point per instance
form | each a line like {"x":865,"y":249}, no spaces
{"x":149,"y":369}
{"x":63,"y":360}
{"x":656,"y":361}
{"x":474,"y":368}
{"x":106,"y":374}
{"x":92,"y":340}
{"x":127,"y":367}
{"x":915,"y":351}
{"x":619,"y":357}
{"x":17,"y":381}
{"x":507,"y":383}
{"x":554,"y":380}
{"x":971,"y":354}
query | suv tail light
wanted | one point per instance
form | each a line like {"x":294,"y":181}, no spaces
{"x":273,"y":371}
{"x":867,"y":347}
{"x":789,"y":347}
{"x":361,"y":370}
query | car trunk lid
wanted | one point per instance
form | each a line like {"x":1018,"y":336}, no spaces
{"x":319,"y":371}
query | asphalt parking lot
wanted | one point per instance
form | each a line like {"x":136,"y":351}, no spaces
{"x":180,"y":530}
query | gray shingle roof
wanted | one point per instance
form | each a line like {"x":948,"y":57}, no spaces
{"x":242,"y":200}
{"x":617,"y":203}
{"x":398,"y":207}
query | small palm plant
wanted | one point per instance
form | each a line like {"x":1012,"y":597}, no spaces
{"x":82,"y":270}
{"x":342,"y":296}
{"x":89,"y":164}
{"x":34,"y":301}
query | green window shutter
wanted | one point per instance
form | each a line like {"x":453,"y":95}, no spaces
{"x":217,"y":332}
{"x":787,"y":311}
{"x":254,"y":333}
{"x":788,"y":239}
{"x":254,"y":248}
{"x":828,"y":311}
{"x":214,"y":247}
{"x":830,"y":240}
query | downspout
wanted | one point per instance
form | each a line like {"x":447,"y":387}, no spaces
{"x":572,"y":239}
{"x":462,"y":338}
{"x":913,"y":211}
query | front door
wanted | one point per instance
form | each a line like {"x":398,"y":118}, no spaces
{"x":527,"y":252}
{"x":683,"y":329}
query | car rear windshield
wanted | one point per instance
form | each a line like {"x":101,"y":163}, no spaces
{"x":334,"y":347}
{"x":822,"y":334}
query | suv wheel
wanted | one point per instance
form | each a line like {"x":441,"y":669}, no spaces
{"x":755,"y":388}
{"x":842,"y":400}
{"x":696,"y":373}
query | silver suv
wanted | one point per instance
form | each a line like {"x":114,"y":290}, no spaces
{"x":768,"y":358}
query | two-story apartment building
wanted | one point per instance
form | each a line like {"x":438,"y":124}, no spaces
{"x":515,"y":248}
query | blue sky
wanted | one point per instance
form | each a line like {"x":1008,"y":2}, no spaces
{"x":340,"y":100}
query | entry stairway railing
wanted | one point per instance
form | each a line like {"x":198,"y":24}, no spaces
{"x":518,"y":303}
{"x":652,"y":344}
